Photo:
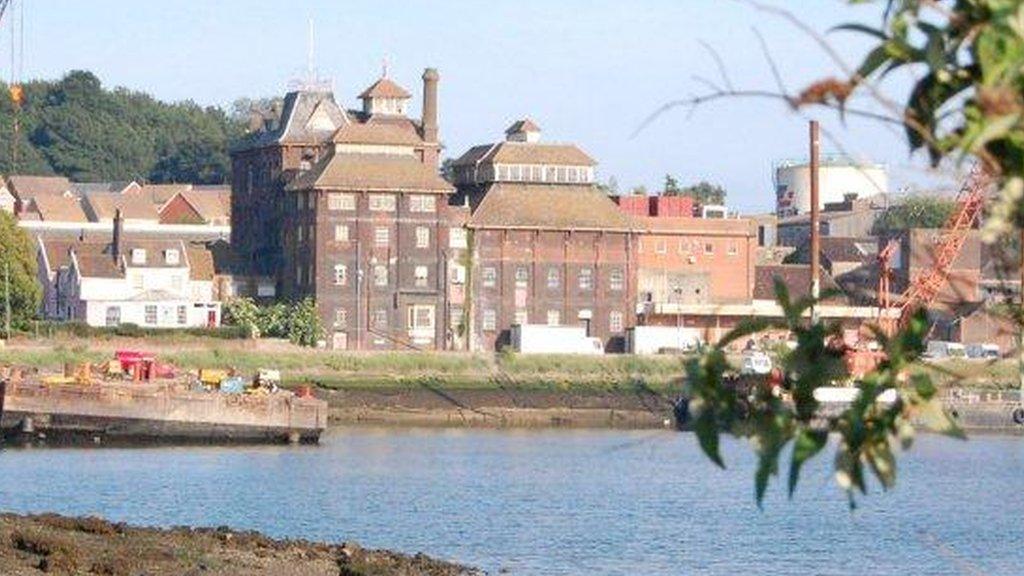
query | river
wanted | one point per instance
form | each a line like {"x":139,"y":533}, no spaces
{"x":556,"y":501}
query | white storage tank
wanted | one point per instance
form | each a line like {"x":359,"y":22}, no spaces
{"x":837,"y":179}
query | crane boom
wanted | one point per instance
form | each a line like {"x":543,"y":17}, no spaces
{"x":925,"y":287}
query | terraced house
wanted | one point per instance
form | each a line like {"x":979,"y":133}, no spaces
{"x":547,"y":247}
{"x":348,"y":207}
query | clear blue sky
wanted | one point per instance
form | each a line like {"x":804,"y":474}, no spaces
{"x":586,"y":71}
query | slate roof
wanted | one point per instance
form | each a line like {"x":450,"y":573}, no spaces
{"x":57,"y":208}
{"x":837,"y":249}
{"x":526,"y":153}
{"x":550,"y":207}
{"x":524,"y":125}
{"x":26,"y":187}
{"x":372,"y":172}
{"x":796,"y":277}
{"x":159,"y":194}
{"x":292,"y":128}
{"x":82,"y":188}
{"x":385,"y":88}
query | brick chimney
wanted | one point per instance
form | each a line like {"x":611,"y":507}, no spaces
{"x":429,"y":120}
{"x":117,"y":244}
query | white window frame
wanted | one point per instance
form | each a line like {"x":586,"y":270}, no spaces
{"x":423,"y":203}
{"x":381,"y":236}
{"x":413,"y":319}
{"x":382,"y":202}
{"x":489,"y":320}
{"x":616,"y":280}
{"x":172,"y":256}
{"x":554,"y":318}
{"x":341,"y":233}
{"x":341,"y":201}
{"x":148,"y":318}
{"x":182,"y":315}
{"x":586,"y":279}
{"x":340,"y":274}
{"x":422,"y":276}
{"x":554,"y":278}
{"x":616,"y":321}
{"x":340,"y":318}
{"x":113,"y":316}
{"x":489,"y":276}
{"x":380,"y":275}
{"x":422,"y":237}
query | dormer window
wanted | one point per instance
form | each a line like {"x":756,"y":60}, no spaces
{"x":171,"y":257}
{"x":138,"y":256}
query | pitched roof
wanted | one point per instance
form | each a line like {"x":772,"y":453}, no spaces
{"x":159,"y":194}
{"x":377,"y":132}
{"x":385,"y":88}
{"x":524,"y":125}
{"x":526,"y":153}
{"x":835,"y":249}
{"x":551,"y":207}
{"x":373,"y":172}
{"x":81,"y":188}
{"x":59,"y":209}
{"x":796,"y":277}
{"x":212,"y":204}
{"x":103,"y":205}
{"x":28,"y":187}
{"x":295,"y":127}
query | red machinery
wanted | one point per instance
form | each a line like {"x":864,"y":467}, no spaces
{"x":924,"y":287}
{"x":142,"y":366}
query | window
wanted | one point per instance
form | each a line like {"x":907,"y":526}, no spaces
{"x":338,"y":201}
{"x":522,"y":276}
{"x":381,"y":236}
{"x":421,"y":276}
{"x":138,"y":281}
{"x":554,"y":317}
{"x":340,"y":274}
{"x":422,"y":237}
{"x":380,"y":275}
{"x":422,"y":203}
{"x":299,"y":201}
{"x":341,"y":232}
{"x":586,"y":279}
{"x":113,"y":315}
{"x":458,"y":274}
{"x":138,"y":256}
{"x":300,"y":234}
{"x":379,"y":319}
{"x":615,"y":280}
{"x":615,"y":321}
{"x":457,"y":238}
{"x":382,"y":203}
{"x":311,"y":234}
{"x":176,"y":282}
{"x":522,"y":317}
{"x":182,"y":315}
{"x":502,"y":172}
{"x":660,"y":247}
{"x":298,"y":273}
{"x":340,"y":318}
{"x":553,"y":279}
{"x":150,"y":315}
{"x":489,"y":276}
{"x":709,"y":248}
{"x":733,"y":249}
{"x":490,"y":321}
{"x":421,"y":318}
{"x":171,"y":257}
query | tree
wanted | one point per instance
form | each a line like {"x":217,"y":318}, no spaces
{"x":705,"y":193}
{"x":966,"y":103}
{"x":671,"y":187}
{"x":18,"y":256}
{"x":640,"y":190}
{"x":914,"y":212}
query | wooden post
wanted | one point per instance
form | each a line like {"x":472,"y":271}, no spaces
{"x":815,"y":222}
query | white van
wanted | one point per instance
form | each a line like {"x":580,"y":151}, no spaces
{"x":983,"y":351}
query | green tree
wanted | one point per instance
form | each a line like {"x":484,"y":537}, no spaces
{"x":671,"y":187}
{"x":18,"y":256}
{"x":639,"y":190}
{"x":705,"y":193}
{"x":914,"y":212}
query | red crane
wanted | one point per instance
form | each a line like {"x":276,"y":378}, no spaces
{"x":925,"y":287}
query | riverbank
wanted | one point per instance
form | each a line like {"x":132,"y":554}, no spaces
{"x":52,"y":544}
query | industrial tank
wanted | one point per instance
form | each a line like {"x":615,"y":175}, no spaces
{"x":837,"y":179}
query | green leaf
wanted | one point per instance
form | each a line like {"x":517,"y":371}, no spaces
{"x":808,"y":443}
{"x":706,"y":429}
{"x":861,"y":28}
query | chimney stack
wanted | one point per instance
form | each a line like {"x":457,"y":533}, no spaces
{"x":118,"y":240}
{"x":430,"y":78}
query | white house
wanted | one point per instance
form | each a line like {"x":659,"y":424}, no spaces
{"x":150,"y":283}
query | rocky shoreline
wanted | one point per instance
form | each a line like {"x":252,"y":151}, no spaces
{"x":32,"y":545}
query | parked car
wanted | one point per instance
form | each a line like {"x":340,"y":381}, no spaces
{"x":983,"y":351}
{"x":941,"y":350}
{"x":756,"y":363}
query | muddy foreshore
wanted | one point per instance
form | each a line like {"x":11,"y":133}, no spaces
{"x":52,"y":544}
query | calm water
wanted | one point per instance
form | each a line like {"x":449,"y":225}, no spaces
{"x":556,"y":502}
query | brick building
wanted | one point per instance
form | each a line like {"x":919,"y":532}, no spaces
{"x":547,"y":246}
{"x":347,"y":207}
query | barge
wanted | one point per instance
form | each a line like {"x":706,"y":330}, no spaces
{"x":35,"y":411}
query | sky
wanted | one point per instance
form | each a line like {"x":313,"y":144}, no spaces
{"x":586,"y":71}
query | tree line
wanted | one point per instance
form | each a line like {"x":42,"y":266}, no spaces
{"x":75,"y":127}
